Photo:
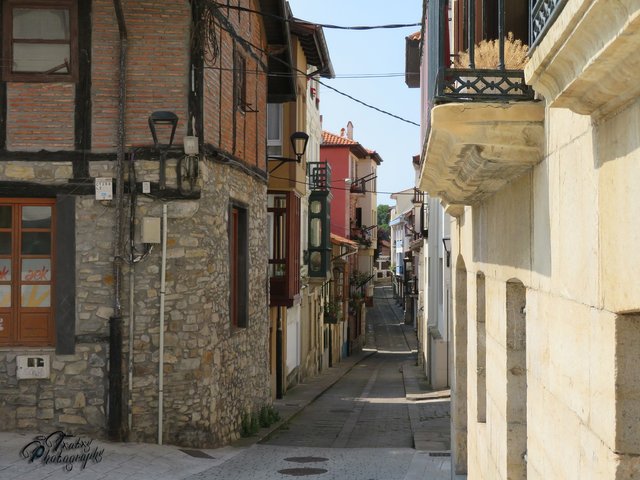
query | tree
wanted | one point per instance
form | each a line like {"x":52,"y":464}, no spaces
{"x":384,"y":232}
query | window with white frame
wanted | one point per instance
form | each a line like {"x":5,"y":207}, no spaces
{"x":274,"y":129}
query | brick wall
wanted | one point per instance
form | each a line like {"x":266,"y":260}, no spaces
{"x":40,"y":116}
{"x":240,"y":134}
{"x":157,"y":68}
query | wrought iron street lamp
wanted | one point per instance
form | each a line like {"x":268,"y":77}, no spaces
{"x":299,"y":142}
{"x":166,"y":122}
{"x":447,"y":248}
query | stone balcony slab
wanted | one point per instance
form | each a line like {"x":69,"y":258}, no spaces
{"x":588,"y":60}
{"x":474,"y":149}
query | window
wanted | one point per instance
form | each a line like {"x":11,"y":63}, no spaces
{"x":277,"y":214}
{"x":274,"y":129}
{"x":26,"y":272}
{"x":239,"y":266}
{"x":240,"y":82}
{"x":283,"y":213}
{"x":40,"y":40}
{"x":358,"y":217}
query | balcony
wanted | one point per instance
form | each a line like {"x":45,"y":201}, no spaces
{"x":359,"y":185}
{"x":585,"y":54}
{"x":319,"y":176}
{"x":485,"y":128}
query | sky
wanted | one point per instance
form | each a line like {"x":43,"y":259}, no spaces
{"x":369,"y":52}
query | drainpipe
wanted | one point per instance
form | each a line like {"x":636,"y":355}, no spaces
{"x":115,"y":322}
{"x":279,"y":356}
{"x":163,"y":270}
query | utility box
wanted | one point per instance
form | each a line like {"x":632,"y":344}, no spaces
{"x":151,"y":230}
{"x":33,"y":367}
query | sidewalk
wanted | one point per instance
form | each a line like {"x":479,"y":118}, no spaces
{"x":428,"y":413}
{"x":139,"y":461}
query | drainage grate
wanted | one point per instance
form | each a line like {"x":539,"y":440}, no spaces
{"x":439,"y":454}
{"x":306,"y":459}
{"x":302,"y":472}
{"x":196,"y":453}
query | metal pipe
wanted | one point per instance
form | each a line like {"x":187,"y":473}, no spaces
{"x":132,"y":275}
{"x":115,"y":328}
{"x":501,"y":65}
{"x":163,"y":270}
{"x":279,"y":356}
{"x":472,"y":33}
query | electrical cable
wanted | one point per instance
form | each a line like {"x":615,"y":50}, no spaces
{"x":350,"y":97}
{"x":323,"y":25}
{"x":345,"y":189}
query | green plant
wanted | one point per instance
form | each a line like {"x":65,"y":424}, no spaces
{"x":245,"y":425}
{"x":249,"y":425}
{"x":486,"y":54}
{"x":332,"y":311}
{"x":268,"y":416}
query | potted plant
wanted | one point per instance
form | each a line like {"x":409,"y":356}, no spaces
{"x":332,"y":311}
{"x":487,"y":57}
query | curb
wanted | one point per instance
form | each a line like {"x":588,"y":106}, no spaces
{"x":264,"y":434}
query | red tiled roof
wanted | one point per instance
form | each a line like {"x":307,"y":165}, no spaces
{"x":332,"y":139}
{"x":341,"y":240}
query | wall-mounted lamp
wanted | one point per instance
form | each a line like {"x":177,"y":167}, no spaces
{"x":299,"y":142}
{"x":165,"y":123}
{"x":447,"y":248}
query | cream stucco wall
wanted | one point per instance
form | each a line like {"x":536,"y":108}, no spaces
{"x":569,"y":231}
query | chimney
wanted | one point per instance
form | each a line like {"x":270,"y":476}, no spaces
{"x":342,"y":132}
{"x":350,"y":130}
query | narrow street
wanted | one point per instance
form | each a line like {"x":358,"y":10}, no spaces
{"x":361,"y":427}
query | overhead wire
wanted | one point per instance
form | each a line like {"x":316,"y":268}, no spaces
{"x":344,"y":189}
{"x":234,"y":34}
{"x":323,"y":25}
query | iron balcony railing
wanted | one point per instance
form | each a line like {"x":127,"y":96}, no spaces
{"x":446,"y":83}
{"x":542,"y":15}
{"x":418,"y":196}
{"x":319,"y":176}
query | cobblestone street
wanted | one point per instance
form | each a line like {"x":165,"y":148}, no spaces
{"x":368,"y":418}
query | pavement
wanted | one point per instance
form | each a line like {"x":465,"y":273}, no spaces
{"x":428,"y":413}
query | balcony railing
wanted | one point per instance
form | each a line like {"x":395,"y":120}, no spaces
{"x":418,"y":196}
{"x":543,"y":14}
{"x":475,"y":82}
{"x":359,"y":185}
{"x":319,"y":176}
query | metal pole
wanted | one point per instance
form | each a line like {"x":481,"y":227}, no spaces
{"x":279,"y":369}
{"x":472,"y":33}
{"x":163,"y":271}
{"x":115,"y":322}
{"x":501,"y":65}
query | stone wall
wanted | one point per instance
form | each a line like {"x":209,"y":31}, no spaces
{"x":213,"y":374}
{"x":555,"y":229}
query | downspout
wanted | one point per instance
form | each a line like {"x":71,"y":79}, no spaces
{"x":163,"y":286}
{"x":279,"y":355}
{"x":115,"y":322}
